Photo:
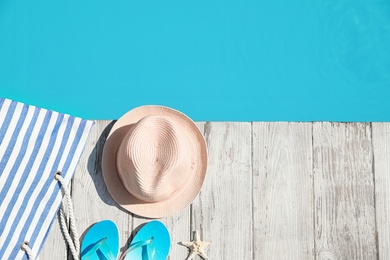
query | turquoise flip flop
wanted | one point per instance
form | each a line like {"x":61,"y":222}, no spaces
{"x":152,"y":242}
{"x":101,"y":242}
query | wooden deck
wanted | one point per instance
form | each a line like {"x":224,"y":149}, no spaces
{"x":272,"y":191}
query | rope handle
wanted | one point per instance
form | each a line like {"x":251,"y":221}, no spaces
{"x":73,"y":242}
{"x":71,"y":236}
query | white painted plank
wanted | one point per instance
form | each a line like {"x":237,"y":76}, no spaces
{"x":222,"y":212}
{"x":283,"y":191}
{"x":381,"y":146}
{"x":344,"y":191}
{"x":92,"y":201}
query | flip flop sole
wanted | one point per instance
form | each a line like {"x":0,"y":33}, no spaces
{"x":103,"y":229}
{"x":161,"y":241}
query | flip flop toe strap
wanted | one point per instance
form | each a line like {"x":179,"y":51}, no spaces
{"x":98,"y":246}
{"x":147,"y":254}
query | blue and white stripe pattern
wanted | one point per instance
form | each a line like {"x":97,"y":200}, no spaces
{"x":35,"y":143}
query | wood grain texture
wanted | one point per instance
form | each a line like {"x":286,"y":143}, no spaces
{"x":316,"y":191}
{"x":344,"y":191}
{"x":381,"y":146}
{"x":222,"y":212}
{"x":92,"y":202}
{"x":283,"y":191}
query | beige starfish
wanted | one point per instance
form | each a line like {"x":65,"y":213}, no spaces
{"x":196,"y":247}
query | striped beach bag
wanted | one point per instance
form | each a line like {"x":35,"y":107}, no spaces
{"x":35,"y":145}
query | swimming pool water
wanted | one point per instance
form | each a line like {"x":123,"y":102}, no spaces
{"x":214,"y":60}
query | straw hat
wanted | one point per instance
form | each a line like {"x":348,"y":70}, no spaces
{"x":154,"y":161}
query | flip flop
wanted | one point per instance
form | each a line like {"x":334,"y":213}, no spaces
{"x":152,"y":242}
{"x":101,"y":242}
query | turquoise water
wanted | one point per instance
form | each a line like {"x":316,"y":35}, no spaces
{"x":214,"y":60}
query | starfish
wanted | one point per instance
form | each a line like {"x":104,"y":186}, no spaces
{"x":196,"y":247}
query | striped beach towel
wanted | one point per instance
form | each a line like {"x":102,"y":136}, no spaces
{"x":35,"y":143}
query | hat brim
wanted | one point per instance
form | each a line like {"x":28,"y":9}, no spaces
{"x":181,"y":198}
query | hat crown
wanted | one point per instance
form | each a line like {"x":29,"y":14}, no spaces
{"x":153,"y":160}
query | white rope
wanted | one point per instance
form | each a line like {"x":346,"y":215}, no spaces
{"x":26,"y":248}
{"x":65,"y":232}
{"x":73,"y":242}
